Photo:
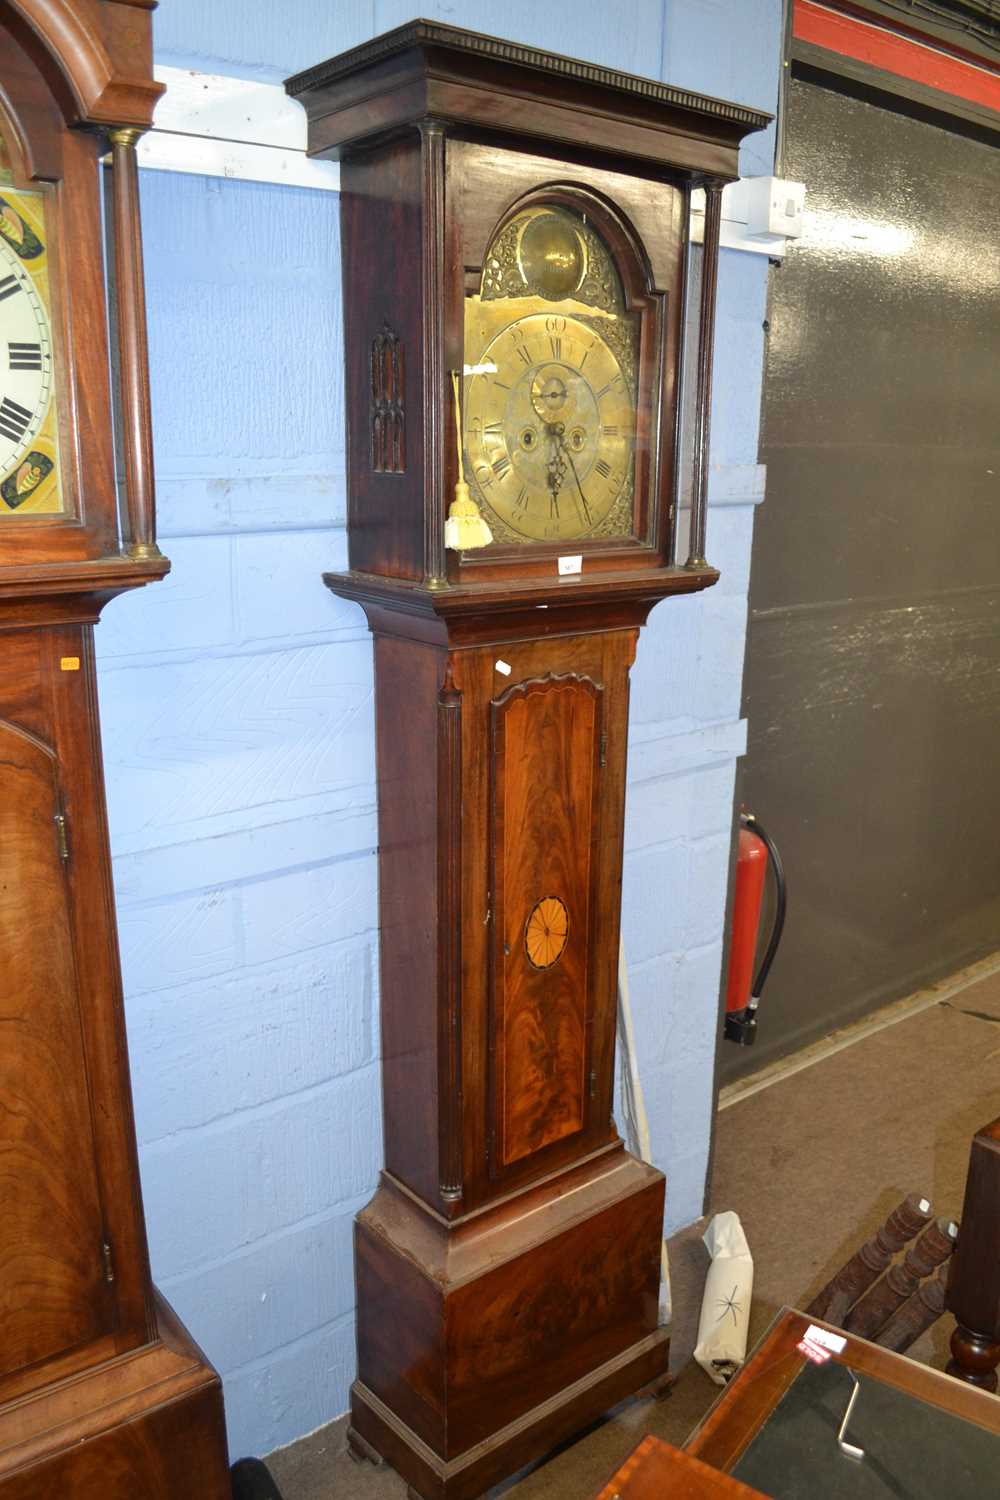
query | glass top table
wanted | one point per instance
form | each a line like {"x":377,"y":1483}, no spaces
{"x":922,"y":1435}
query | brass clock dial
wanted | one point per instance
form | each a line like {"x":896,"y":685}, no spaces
{"x":29,"y":480}
{"x":550,"y":408}
{"x":549,"y":436}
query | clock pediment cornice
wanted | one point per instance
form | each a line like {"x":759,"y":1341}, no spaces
{"x":102,"y":52}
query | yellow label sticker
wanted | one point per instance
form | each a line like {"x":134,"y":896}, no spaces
{"x":69,"y":664}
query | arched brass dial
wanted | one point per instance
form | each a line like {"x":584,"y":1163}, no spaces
{"x":549,"y":430}
{"x":551,"y":353}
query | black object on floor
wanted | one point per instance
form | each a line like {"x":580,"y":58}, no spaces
{"x":252,"y":1481}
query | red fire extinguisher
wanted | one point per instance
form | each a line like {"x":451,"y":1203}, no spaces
{"x":743,"y":989}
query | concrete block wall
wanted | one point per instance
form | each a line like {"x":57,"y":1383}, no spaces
{"x":237,"y":713}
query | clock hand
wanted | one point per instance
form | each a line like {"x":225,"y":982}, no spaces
{"x":556,"y":433}
{"x":555,"y":469}
{"x":586,"y":508}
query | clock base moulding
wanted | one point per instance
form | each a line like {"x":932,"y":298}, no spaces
{"x":485,"y":1342}
{"x":151,"y":1416}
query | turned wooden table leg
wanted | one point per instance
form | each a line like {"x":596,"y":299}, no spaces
{"x":874,"y":1310}
{"x":916,"y":1315}
{"x":974,"y":1284}
{"x":868,"y":1263}
{"x":974,"y":1358}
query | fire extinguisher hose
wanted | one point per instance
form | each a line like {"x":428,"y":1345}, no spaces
{"x":780,"y":906}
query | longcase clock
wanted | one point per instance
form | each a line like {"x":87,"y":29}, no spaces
{"x":515,"y":237}
{"x":102,"y":1392}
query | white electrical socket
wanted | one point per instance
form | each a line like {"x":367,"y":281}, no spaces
{"x":773,"y":206}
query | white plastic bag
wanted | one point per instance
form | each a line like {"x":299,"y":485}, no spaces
{"x":725,"y":1307}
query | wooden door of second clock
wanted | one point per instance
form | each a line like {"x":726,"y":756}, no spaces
{"x":53,"y":1290}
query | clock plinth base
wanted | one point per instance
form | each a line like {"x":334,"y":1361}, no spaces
{"x":484,"y":1343}
{"x":538,"y":1432}
{"x":148,"y":1423}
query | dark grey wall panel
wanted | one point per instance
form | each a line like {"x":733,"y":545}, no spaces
{"x":873,"y":670}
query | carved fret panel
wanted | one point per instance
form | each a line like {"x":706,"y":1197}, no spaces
{"x":387,"y":405}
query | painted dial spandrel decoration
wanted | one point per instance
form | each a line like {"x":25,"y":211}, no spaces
{"x":29,"y":457}
{"x":551,"y":356}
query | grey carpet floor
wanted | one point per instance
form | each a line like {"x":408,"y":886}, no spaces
{"x":812,"y":1164}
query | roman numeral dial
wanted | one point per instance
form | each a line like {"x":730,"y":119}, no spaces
{"x":550,"y":422}
{"x":22,"y":356}
{"x":28,"y":456}
{"x":14,"y":420}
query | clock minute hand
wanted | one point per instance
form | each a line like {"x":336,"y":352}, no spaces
{"x":560,"y":439}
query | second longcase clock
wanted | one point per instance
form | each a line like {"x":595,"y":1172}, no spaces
{"x":515,"y":242}
{"x":102,"y":1391}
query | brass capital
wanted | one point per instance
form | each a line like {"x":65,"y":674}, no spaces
{"x":126,"y":136}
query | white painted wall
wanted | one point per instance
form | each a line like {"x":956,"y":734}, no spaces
{"x":237,"y":705}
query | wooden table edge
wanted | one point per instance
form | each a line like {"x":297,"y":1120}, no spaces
{"x":734,"y":1420}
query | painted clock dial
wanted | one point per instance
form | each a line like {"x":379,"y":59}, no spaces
{"x":550,"y":409}
{"x":29,"y":477}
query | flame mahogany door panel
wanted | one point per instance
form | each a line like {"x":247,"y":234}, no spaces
{"x":53,"y":1291}
{"x":544,"y":728}
{"x":546,"y":771}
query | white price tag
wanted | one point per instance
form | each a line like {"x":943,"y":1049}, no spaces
{"x":825,"y":1339}
{"x":570,"y":565}
{"x":504,"y":667}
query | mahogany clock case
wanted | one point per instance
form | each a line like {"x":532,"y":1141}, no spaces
{"x":508,"y":1266}
{"x":102,"y":1392}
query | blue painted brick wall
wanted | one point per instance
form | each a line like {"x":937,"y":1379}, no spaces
{"x":237,"y":710}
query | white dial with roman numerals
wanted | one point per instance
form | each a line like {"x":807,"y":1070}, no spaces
{"x":25,"y":361}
